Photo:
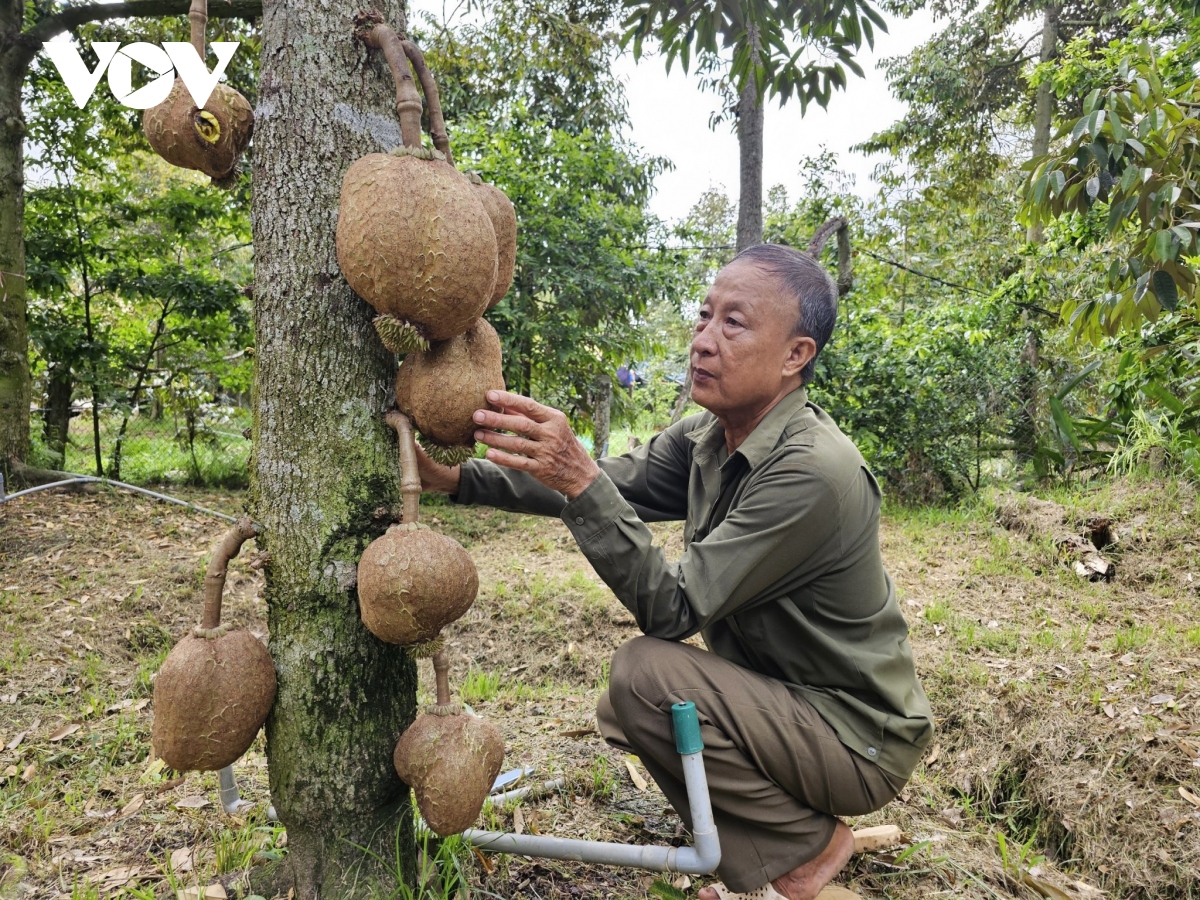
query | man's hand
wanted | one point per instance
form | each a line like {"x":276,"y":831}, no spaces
{"x":541,"y":443}
{"x":435,"y":477}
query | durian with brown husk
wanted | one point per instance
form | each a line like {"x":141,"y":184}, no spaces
{"x":442,"y":387}
{"x":412,"y":582}
{"x":504,"y":222}
{"x":413,"y":237}
{"x":215,"y":688}
{"x":210,"y":140}
{"x":450,"y":759}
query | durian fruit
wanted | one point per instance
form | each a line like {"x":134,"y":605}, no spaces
{"x":441,"y":388}
{"x":415,"y":242}
{"x":215,"y":688}
{"x":412,"y":582}
{"x":450,"y":759}
{"x":504,"y":221}
{"x":211,"y":139}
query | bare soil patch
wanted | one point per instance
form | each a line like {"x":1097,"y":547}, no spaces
{"x":1067,"y":756}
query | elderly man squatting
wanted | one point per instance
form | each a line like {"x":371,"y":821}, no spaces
{"x":808,"y":699}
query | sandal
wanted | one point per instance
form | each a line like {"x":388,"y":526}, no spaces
{"x":768,"y":892}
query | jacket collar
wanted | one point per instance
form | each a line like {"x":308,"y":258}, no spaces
{"x":760,"y":443}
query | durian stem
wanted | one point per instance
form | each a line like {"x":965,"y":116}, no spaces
{"x":371,"y":30}
{"x":198,"y":15}
{"x":441,"y":677}
{"x":437,"y":124}
{"x":214,"y":580}
{"x":410,"y":478}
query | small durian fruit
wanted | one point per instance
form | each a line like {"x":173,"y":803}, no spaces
{"x":441,"y":388}
{"x":211,"y":139}
{"x":450,"y":760}
{"x":504,"y":221}
{"x":215,"y":688}
{"x":415,"y":242}
{"x":412,"y":582}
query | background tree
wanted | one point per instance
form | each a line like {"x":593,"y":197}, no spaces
{"x":534,"y":108}
{"x":133,"y":267}
{"x":24,"y":27}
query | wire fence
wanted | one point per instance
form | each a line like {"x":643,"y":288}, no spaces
{"x":209,"y":447}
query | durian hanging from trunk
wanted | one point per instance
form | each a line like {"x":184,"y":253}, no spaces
{"x":211,"y":140}
{"x":442,"y":387}
{"x":412,"y":581}
{"x":504,"y":222}
{"x":450,"y":759}
{"x":215,"y":688}
{"x":414,"y":238}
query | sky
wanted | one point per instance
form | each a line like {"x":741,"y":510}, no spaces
{"x":670,"y":115}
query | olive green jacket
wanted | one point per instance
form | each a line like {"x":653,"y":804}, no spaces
{"x":781,"y":570}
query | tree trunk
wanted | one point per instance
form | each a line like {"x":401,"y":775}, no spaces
{"x":325,"y":467}
{"x":602,"y":393}
{"x":750,"y":159}
{"x":1043,"y":113}
{"x":56,"y":422}
{"x":14,"y":329}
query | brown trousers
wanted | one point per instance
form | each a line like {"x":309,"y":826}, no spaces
{"x":777,"y":773}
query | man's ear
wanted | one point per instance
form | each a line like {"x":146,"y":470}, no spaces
{"x":801,"y":350}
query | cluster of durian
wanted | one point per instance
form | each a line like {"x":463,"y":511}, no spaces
{"x":431,"y":250}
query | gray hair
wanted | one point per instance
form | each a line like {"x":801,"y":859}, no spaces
{"x":805,"y":280}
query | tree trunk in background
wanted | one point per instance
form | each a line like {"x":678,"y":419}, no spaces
{"x":750,"y":189}
{"x":602,"y":394}
{"x":750,"y":164}
{"x":57,"y":418}
{"x":1043,"y":114}
{"x":14,"y":329}
{"x":325,"y":467}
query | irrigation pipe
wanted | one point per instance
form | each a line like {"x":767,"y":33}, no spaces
{"x":92,"y":479}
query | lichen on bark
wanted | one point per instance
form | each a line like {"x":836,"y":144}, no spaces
{"x":326,"y":479}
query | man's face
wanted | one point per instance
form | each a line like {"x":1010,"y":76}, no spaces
{"x":743,"y":354}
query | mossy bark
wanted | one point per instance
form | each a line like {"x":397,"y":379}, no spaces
{"x":14,"y":332}
{"x":326,"y":477}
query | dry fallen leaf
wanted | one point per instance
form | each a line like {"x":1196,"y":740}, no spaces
{"x":183,"y":860}
{"x":193,"y":802}
{"x":682,"y":883}
{"x":16,"y":742}
{"x":133,"y":806}
{"x":1161,"y":699}
{"x":1044,"y":888}
{"x":485,"y":861}
{"x":65,"y":731}
{"x":638,"y":781}
{"x":579,"y":732}
{"x":111,"y":879}
{"x":1110,"y":710}
{"x":1189,"y":797}
{"x":518,"y":821}
{"x":30,"y":771}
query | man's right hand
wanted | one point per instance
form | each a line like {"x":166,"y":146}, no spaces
{"x":436,"y":477}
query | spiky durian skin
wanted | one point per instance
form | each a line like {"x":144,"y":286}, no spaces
{"x":171,"y":128}
{"x":415,"y":242}
{"x":450,"y":762}
{"x":412,"y":582}
{"x":440,"y":389}
{"x":211,"y":697}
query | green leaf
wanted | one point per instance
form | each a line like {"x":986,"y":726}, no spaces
{"x":1163,"y":249}
{"x":1165,"y":291}
{"x":1065,"y":428}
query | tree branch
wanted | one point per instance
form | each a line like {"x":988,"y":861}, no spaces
{"x":31,"y":41}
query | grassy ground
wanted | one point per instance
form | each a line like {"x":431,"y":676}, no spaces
{"x":1067,"y":757}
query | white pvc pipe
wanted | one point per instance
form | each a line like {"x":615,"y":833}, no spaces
{"x":699,"y":859}
{"x":92,"y":479}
